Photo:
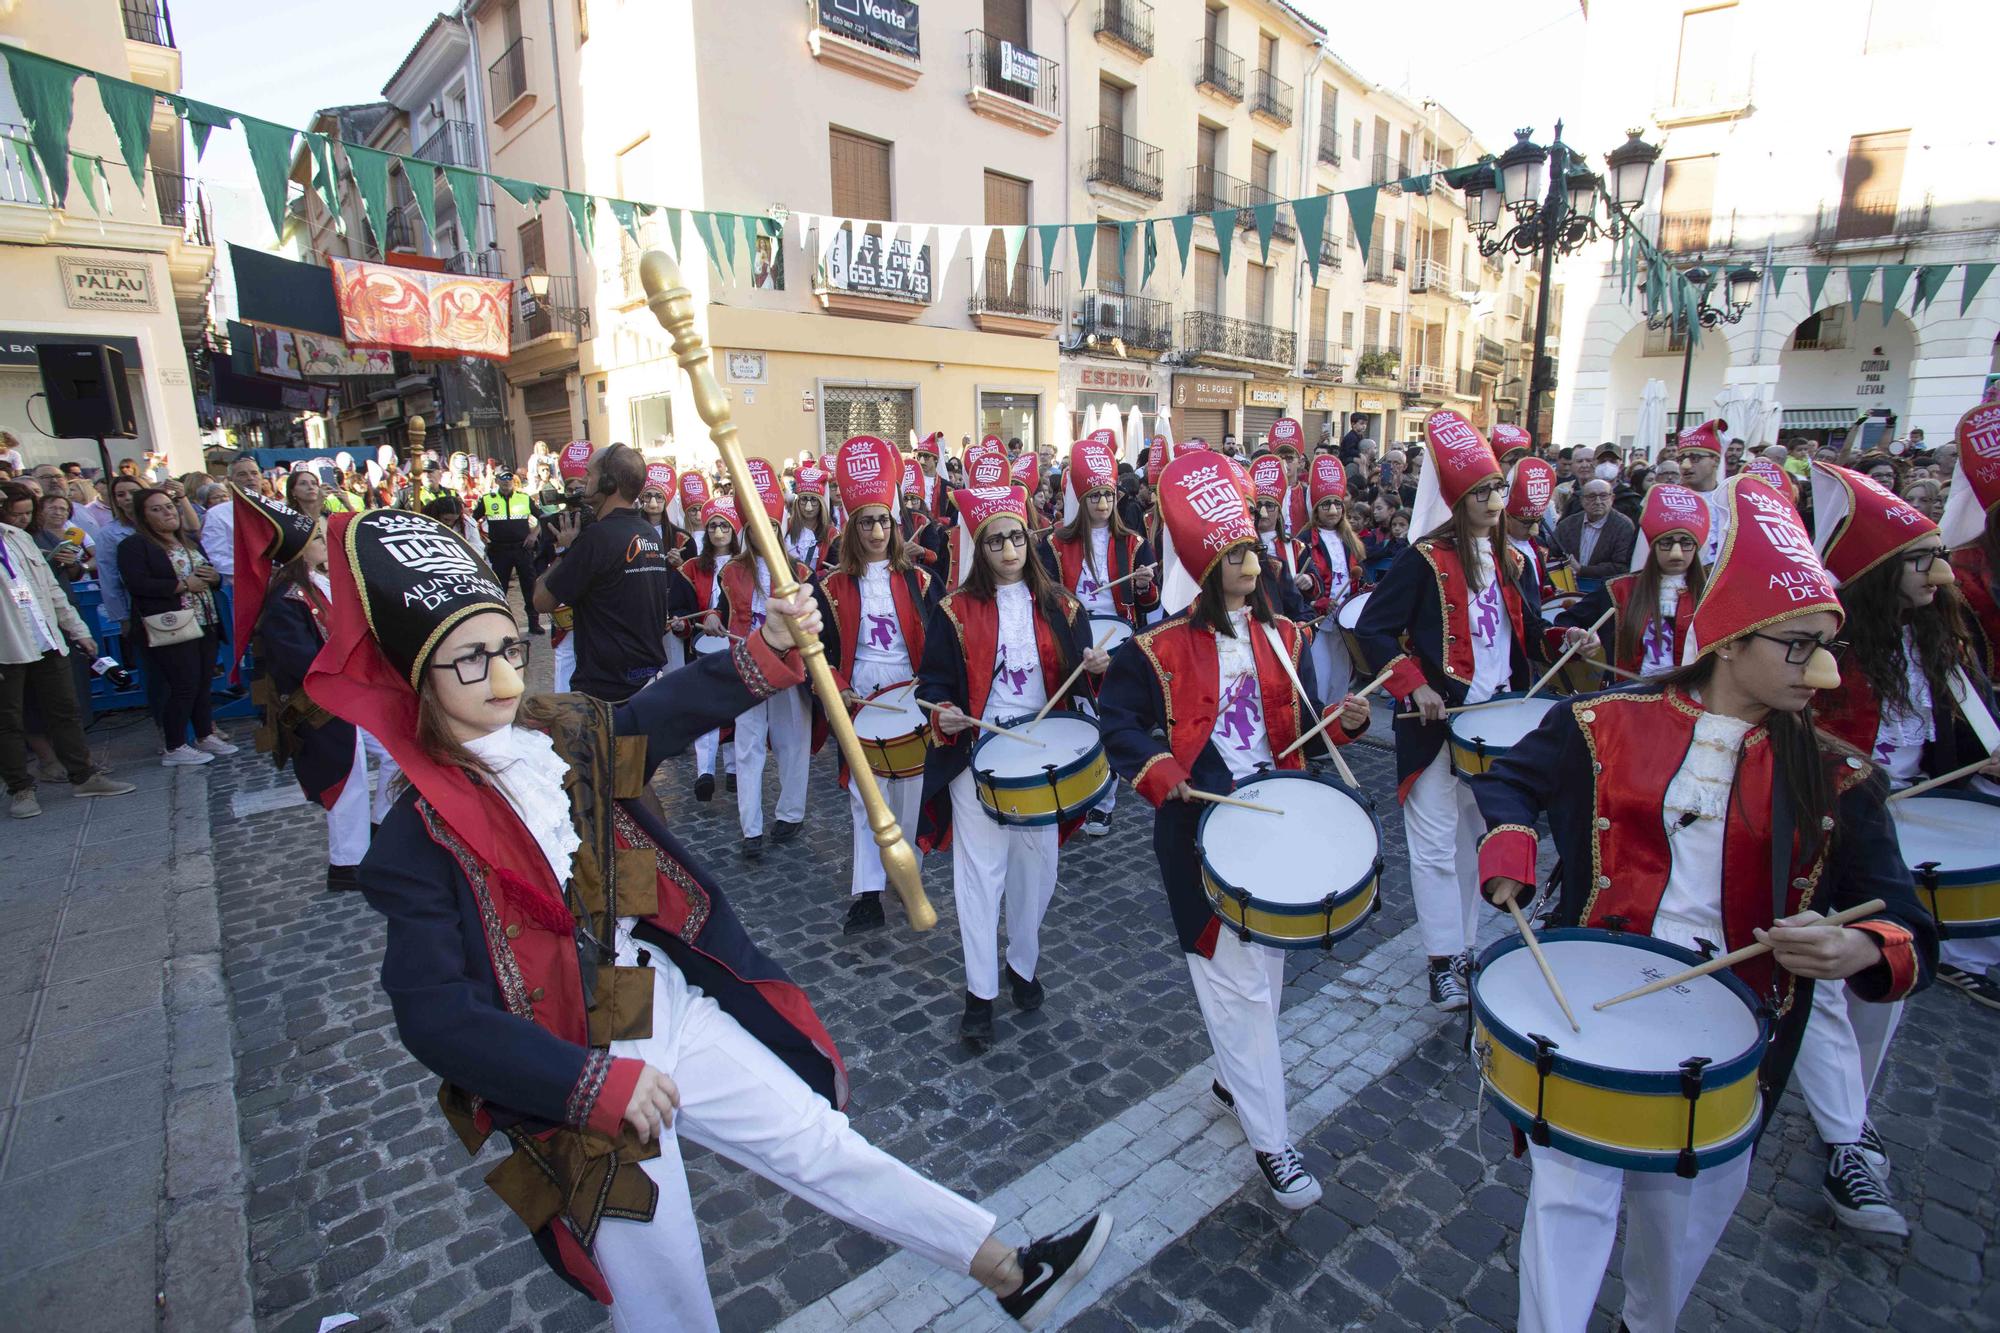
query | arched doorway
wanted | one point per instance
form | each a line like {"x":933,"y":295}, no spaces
{"x":1838,"y":364}
{"x":1649,"y":354}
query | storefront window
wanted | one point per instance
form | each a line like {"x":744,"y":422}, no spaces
{"x":1147,"y":403}
{"x":860,"y":409}
{"x":1011,"y":416}
{"x":652,"y":420}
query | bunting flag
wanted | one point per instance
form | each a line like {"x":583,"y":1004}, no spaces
{"x":1975,"y":278}
{"x":201,"y":118}
{"x":1816,"y":283}
{"x":1126,"y":230}
{"x":321,"y":148}
{"x":44,"y":91}
{"x":129,"y":106}
{"x":525,"y":193}
{"x":1858,"y":278}
{"x":1011,"y":240}
{"x":86,"y":171}
{"x":1224,"y":222}
{"x":271,"y":158}
{"x":1778,"y":272}
{"x":464,"y":187}
{"x":626,"y":215}
{"x":422,"y":177}
{"x":1361,"y":212}
{"x":1894,"y":278}
{"x":370,"y":168}
{"x":1183,"y":226}
{"x":1152,"y":256}
{"x":1310,"y":214}
{"x":674,"y":231}
{"x":1084,"y":236}
{"x":1051,"y":236}
{"x":580,"y":210}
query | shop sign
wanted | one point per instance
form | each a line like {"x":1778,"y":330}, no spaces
{"x":1202,"y":391}
{"x":96,"y":284}
{"x":1114,"y":379}
{"x":1266,"y":395}
{"x":1320,"y":399}
{"x":1370,"y":405}
{"x":1873,"y":371}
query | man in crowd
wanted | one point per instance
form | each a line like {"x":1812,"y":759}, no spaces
{"x":1597,"y":537}
{"x":1350,"y":443}
{"x":613,"y":573}
{"x":218,"y":525}
{"x":507,"y":524}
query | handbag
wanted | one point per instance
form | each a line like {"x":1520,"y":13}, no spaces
{"x":170,"y":627}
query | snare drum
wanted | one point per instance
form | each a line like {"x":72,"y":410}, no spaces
{"x":1300,"y":880}
{"x":1563,"y":578}
{"x":895,"y":737}
{"x":1029,"y":786}
{"x":1577,"y":675}
{"x":1109,"y":632}
{"x":1481,"y":736}
{"x":1948,"y":839}
{"x":1349,"y":619}
{"x":1666,"y":1082}
{"x":704,"y":644}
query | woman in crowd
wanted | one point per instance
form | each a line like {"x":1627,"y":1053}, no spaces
{"x":162,"y":573}
{"x":809,"y":531}
{"x":1286,"y":575}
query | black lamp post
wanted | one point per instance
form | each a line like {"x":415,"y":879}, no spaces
{"x":1741,"y":285}
{"x":1559,"y":220}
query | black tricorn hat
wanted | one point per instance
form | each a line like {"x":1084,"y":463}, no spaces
{"x":418,"y":580}
{"x":272,"y":528}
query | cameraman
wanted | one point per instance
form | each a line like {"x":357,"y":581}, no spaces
{"x":613,"y":573}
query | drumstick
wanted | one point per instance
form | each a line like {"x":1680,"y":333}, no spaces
{"x":1614,"y":670}
{"x":1869,"y":908}
{"x":1568,"y":653}
{"x":1920,"y":788}
{"x":1467,"y":708}
{"x":1541,"y":961}
{"x":1233,"y":800}
{"x":1143,"y":569}
{"x":873,"y":703}
{"x":1333,"y":713}
{"x":986,"y":726}
{"x":1063,"y":689}
{"x":1285,"y":661}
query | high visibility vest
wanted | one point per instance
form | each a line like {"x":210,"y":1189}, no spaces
{"x":337,"y":502}
{"x":425,"y":495}
{"x":496,"y":505}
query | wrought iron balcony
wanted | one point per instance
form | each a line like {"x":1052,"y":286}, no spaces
{"x":1218,"y":69}
{"x":561,"y":311}
{"x":20,"y":180}
{"x":1387,"y":170}
{"x":477,"y":263}
{"x":1141,"y":324}
{"x":508,"y":76}
{"x":1023,"y":291}
{"x":1013,"y":72}
{"x":1120,"y":160}
{"x":1489,"y":352}
{"x":1869,"y":217}
{"x":1271,"y":96}
{"x":452,"y":144}
{"x":1127,"y":22}
{"x":1206,"y":334}
{"x":183,"y":204}
{"x":1329,"y":144}
{"x":1329,"y":253}
{"x":1210,"y":189}
{"x":1378,"y":269}
{"x":148,"y":21}
{"x":1685,"y":233}
{"x":1325,"y":358}
{"x":1251,"y":196}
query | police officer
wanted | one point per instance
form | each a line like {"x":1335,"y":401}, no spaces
{"x":507,"y":523}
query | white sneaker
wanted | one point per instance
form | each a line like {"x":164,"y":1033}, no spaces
{"x":214,"y":744}
{"x":185,"y":756}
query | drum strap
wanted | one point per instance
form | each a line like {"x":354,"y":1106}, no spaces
{"x":1781,"y":843}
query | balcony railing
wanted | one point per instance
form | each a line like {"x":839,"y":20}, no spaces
{"x":148,"y":21}
{"x":1024,"y":291}
{"x":1434,"y":381}
{"x":1218,"y":69}
{"x":1468,"y":385}
{"x":477,"y":263}
{"x":1250,"y":196}
{"x":405,"y":228}
{"x":1325,"y":358}
{"x":1141,"y":324}
{"x":1272,"y":97}
{"x":1684,"y":233}
{"x":1329,"y":144}
{"x":1329,"y":253}
{"x":508,"y":76}
{"x":1210,"y":189}
{"x":1868,"y":217}
{"x":1401,"y":261}
{"x":1120,"y":160}
{"x":561,"y":310}
{"x":1378,"y":361}
{"x":1218,"y":335}
{"x":1431,"y":276}
{"x":452,"y":144}
{"x":1378,"y":269}
{"x":20,"y":182}
{"x":1490,"y":352}
{"x":1012,"y":71}
{"x":184,"y":204}
{"x":1386,"y":169}
{"x":1127,"y":22}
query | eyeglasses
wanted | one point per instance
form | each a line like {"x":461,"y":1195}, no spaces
{"x":1676,"y":544}
{"x":870,"y":522}
{"x":1235,"y":557}
{"x":1483,"y":494}
{"x":475,"y":664}
{"x":1799,"y":651}
{"x":1267,"y":506}
{"x":1000,"y":541}
{"x":1924,"y":559}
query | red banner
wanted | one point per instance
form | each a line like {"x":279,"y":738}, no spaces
{"x":415,"y":311}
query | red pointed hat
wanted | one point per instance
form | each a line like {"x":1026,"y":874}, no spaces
{"x":1859,"y":523}
{"x":1779,"y":480}
{"x":574,"y":460}
{"x":694,"y":491}
{"x":868,"y":470}
{"x":1671,"y":508}
{"x":1507,"y":437}
{"x":660,"y":477}
{"x":1267,"y":478}
{"x":1327,"y":480}
{"x":986,"y":466}
{"x":979,"y":505}
{"x":724,"y":508}
{"x":809,"y":478}
{"x":1027,"y":470}
{"x":1093,"y":464}
{"x":913,"y":478}
{"x":1705,"y":438}
{"x":1975,"y":482}
{"x":992,"y":442}
{"x":1530,"y":486}
{"x":1767,"y":571}
{"x":931,"y":444}
{"x":766,"y":481}
{"x":1203,"y":514}
{"x":1459,"y":460}
{"x":1157,"y":459}
{"x":1286,"y":433}
{"x":268,"y":534}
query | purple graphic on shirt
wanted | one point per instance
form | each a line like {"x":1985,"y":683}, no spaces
{"x":881,"y":630}
{"x":1016,"y":677}
{"x":1884,"y":751}
{"x":1486,"y":617}
{"x":1657,"y":643}
{"x":1236,"y":720}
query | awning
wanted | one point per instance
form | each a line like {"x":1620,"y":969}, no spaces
{"x":1819,"y":418}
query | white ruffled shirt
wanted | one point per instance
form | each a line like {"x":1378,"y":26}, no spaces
{"x":1336,"y":564}
{"x":1240,"y":735}
{"x":1492,"y":635}
{"x":1901,"y":734}
{"x":1656,"y":640}
{"x":1091,"y":587}
{"x":530,"y":775}
{"x":1017,"y":662}
{"x":1691,"y":905}
{"x":880,"y":634}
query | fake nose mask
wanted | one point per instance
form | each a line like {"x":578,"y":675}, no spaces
{"x":1940,"y":575}
{"x":503,"y":681}
{"x":1251,"y":564}
{"x":1821,"y":671}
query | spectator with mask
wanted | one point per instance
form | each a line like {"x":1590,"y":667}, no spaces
{"x":1597,"y":538}
{"x":613,"y":574}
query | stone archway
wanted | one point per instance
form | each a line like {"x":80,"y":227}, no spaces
{"x":1843,"y":363}
{"x":1644,"y":354}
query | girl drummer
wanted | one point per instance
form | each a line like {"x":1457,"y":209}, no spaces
{"x":996,"y":648}
{"x":1210,"y":680}
{"x":874,"y":602}
{"x":1463,"y":603}
{"x":780,"y":723}
{"x":924,"y":537}
{"x":1282,"y":556}
{"x":1661,"y":800}
{"x":809,"y":533}
{"x":720,"y":524}
{"x":1655,"y":605}
{"x":1333,"y":559}
{"x":1971,"y":526}
{"x":1531,"y":484}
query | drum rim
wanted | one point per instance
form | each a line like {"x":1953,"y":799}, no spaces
{"x":1369,"y":899}
{"x":1372,"y":873}
{"x":922,"y":730}
{"x":1970,"y":876}
{"x":1073,"y":767}
{"x":1626,"y":1159}
{"x":1451,"y":723}
{"x":1577,"y":1070}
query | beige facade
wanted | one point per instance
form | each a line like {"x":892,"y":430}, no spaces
{"x":136,"y":277}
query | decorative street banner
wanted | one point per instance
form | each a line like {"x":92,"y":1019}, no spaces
{"x":889,"y":24}
{"x":408,"y":309}
{"x":284,"y":354}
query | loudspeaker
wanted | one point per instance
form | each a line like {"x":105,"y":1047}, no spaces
{"x":87,"y":394}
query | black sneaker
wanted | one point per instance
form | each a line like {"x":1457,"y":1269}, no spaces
{"x":1291,"y":1184}
{"x":704,"y":787}
{"x":1978,"y":987}
{"x":732,"y":783}
{"x":1028,"y":995}
{"x":1447,"y":986}
{"x":341,"y":879}
{"x":1876,"y":1151}
{"x":753,"y":848}
{"x":784,"y":832}
{"x":977,"y":1025}
{"x":1222,"y":1097}
{"x":537,"y":631}
{"x":1856,"y":1194}
{"x":1097,"y":823}
{"x":864,"y":913}
{"x":1051,"y":1267}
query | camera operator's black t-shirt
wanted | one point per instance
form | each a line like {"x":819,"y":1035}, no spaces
{"x":617,"y":580}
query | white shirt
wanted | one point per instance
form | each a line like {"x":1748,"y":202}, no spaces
{"x":1240,"y":736}
{"x":1901,"y":734}
{"x":1336,"y":563}
{"x":1492,"y":635}
{"x":1656,"y":640}
{"x":1017,"y":663}
{"x":218,"y":538}
{"x":530,"y":776}
{"x":1090,"y":587}
{"x":1691,"y":905}
{"x":880,"y":634}
{"x":804,"y":546}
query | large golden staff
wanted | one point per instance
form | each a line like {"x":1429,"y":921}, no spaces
{"x":673,"y":306}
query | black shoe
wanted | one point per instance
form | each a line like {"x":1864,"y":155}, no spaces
{"x":1221,"y":1096}
{"x":1097,"y":823}
{"x":537,"y":631}
{"x":341,"y":879}
{"x":704,"y":787}
{"x":1447,"y":987}
{"x":1051,"y":1267}
{"x":753,"y":848}
{"x":977,"y":1026}
{"x":732,"y":783}
{"x":1291,"y":1184}
{"x":1028,"y":995}
{"x":1876,"y":1151}
{"x":1978,"y":987}
{"x":781,"y":831}
{"x":1856,"y":1195}
{"x":864,"y":913}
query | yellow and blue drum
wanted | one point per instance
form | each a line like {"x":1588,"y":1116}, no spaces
{"x":1665,"y":1082}
{"x":1563,"y":578}
{"x":893,"y":732}
{"x":1301,"y":879}
{"x":1046,"y":772}
{"x":1948,"y":840}
{"x":1481,"y":736}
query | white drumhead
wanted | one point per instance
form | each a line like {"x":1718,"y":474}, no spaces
{"x":1322,"y":844}
{"x":1350,"y":610}
{"x":1958,"y":835}
{"x":877,"y":723}
{"x":1107,"y":632}
{"x":1063,"y":739}
{"x":1557,"y":604}
{"x":1503,"y":724}
{"x":1652,"y":1033}
{"x":705,"y":644}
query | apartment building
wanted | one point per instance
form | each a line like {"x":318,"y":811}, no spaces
{"x":136,"y":275}
{"x":1852,"y":139}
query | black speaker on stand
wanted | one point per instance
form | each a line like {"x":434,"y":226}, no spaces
{"x":88,"y":398}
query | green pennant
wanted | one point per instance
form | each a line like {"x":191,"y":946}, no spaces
{"x":371,"y":180}
{"x":1223,"y":220}
{"x":1051,"y":234}
{"x":526,"y":193}
{"x":1126,"y":230}
{"x":725,"y":231}
{"x":1083,"y":235}
{"x":38,"y":189}
{"x":201,"y":118}
{"x":1816,"y":283}
{"x":1858,"y":278}
{"x":1894,"y":278}
{"x":1310,"y":215}
{"x":580,"y":206}
{"x":422,"y":177}
{"x":44,"y":90}
{"x":704,"y":225}
{"x":85,"y":169}
{"x":1266,"y":217}
{"x":753,"y":227}
{"x":626,"y":215}
{"x":1361,"y":211}
{"x":1183,"y":226}
{"x":130,"y":108}
{"x":1778,"y":272}
{"x":271,"y":158}
{"x":1012,"y":238}
{"x":1975,"y":278}
{"x":1930,"y":279}
{"x":1151,"y":257}
{"x":464,"y":186}
{"x":1418,"y":184}
{"x":323,"y":178}
{"x":674,"y":230}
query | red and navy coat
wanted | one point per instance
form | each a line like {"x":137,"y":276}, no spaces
{"x":1418,"y":625}
{"x":1064,"y":560}
{"x":289,"y":635}
{"x":1159,"y":704}
{"x":739,"y":590}
{"x":960,"y":644}
{"x":1598,"y":768}
{"x":839,"y":594}
{"x":1852,"y":710}
{"x":1321,"y":568}
{"x":1980,"y":586}
{"x":1618,"y":592}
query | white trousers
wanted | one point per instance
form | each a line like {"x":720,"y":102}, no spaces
{"x":1671,"y":1227}
{"x":741,"y":1101}
{"x":990,"y":863}
{"x":565,"y":662}
{"x":1442,"y":826}
{"x":1874,"y":1028}
{"x":1829,"y":1071}
{"x":904,"y":795}
{"x":677,"y":654}
{"x":782,"y":717}
{"x":1333,"y":670}
{"x":1239,"y":991}
{"x":1976,"y":956}
{"x":350,"y":823}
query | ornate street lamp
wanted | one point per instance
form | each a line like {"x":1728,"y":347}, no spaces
{"x":1521,"y":172}
{"x":1631,"y":166}
{"x":1739,"y":290}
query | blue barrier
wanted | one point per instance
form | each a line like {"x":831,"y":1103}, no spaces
{"x":230,"y":701}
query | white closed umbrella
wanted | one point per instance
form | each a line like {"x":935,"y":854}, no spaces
{"x":1135,"y":435}
{"x":1770,"y":424}
{"x":1651,"y":431}
{"x":1738,"y":404}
